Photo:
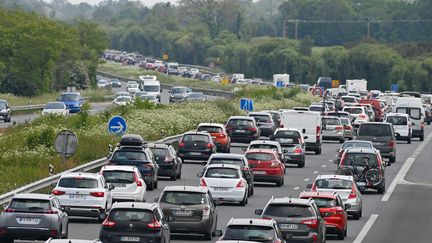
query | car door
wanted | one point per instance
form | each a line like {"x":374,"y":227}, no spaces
{"x":213,"y":212}
{"x":322,"y":227}
{"x":63,"y":216}
{"x":107,"y":192}
{"x":160,"y":217}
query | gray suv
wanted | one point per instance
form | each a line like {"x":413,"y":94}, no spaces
{"x":299,"y":219}
{"x":382,"y":136}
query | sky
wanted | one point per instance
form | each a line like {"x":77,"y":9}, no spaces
{"x":148,"y":3}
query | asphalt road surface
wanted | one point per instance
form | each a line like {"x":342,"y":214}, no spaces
{"x":403,"y":217}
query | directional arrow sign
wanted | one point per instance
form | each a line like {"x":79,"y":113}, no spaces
{"x":117,"y":125}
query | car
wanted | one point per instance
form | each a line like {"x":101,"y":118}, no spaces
{"x":332,"y":129}
{"x":349,"y":100}
{"x":115,"y":83}
{"x":348,"y":128}
{"x":131,"y":150}
{"x":148,"y":97}
{"x":166,"y":157}
{"x":192,"y":209}
{"x":72,"y":100}
{"x":122,"y":93}
{"x":414,"y":108}
{"x":298,"y":108}
{"x":333,"y":211}
{"x":103,"y":83}
{"x":179,"y":93}
{"x":122,"y":101}
{"x":299,"y":219}
{"x":351,"y":144}
{"x":197,"y":97}
{"x":292,"y":144}
{"x":5,"y":111}
{"x":55,"y":108}
{"x":135,"y":222}
{"x":339,"y":114}
{"x":127,"y":181}
{"x":402,"y":125}
{"x":266,"y":144}
{"x":33,"y":216}
{"x":172,"y":68}
{"x":51,"y":240}
{"x":150,"y":66}
{"x":219,"y":135}
{"x":250,"y":230}
{"x":382,"y":136}
{"x":242,"y":129}
{"x":132,"y":87}
{"x":264,"y":122}
{"x":196,"y":146}
{"x":266,"y":166}
{"x":345,"y":187}
{"x":366,"y":167}
{"x":318,"y":108}
{"x":161,"y":69}
{"x":84,"y":194}
{"x":276,"y":117}
{"x":233,"y":159}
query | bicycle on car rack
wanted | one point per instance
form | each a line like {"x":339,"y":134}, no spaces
{"x":369,"y":176}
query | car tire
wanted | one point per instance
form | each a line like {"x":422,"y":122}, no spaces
{"x":346,"y":229}
{"x":356,"y":216}
{"x":179,"y":174}
{"x":422,"y":136}
{"x":155,"y":184}
{"x":251,"y":191}
{"x":381,"y":189}
{"x":341,"y":235}
{"x":318,"y":150}
{"x":207,"y":236}
{"x":409,"y":140}
{"x":342,"y":141}
{"x":301,"y":164}
{"x":392,"y":159}
{"x":279,"y":183}
{"x":150,"y":187}
{"x":173,"y":177}
{"x":227,"y":149}
{"x":8,"y":119}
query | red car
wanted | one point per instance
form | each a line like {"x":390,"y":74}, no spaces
{"x":150,"y":66}
{"x":266,"y":166}
{"x":162,"y":69}
{"x":332,"y":210}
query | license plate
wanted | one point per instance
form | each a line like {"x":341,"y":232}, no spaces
{"x":220,"y":189}
{"x":119,"y":185}
{"x":77,"y":197}
{"x":289,"y":226}
{"x":259,"y":172}
{"x":129,"y":238}
{"x":195,"y":153}
{"x":376,"y":143}
{"x":28,"y":220}
{"x":240,"y":131}
{"x":183,"y":213}
{"x":361,"y":183}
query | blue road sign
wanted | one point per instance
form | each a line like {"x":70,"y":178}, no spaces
{"x":395,"y":88}
{"x":280,"y":84}
{"x":246,"y":104}
{"x":117,"y":125}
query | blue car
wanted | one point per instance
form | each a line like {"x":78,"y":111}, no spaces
{"x":73,"y":101}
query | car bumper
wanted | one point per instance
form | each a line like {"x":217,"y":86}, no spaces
{"x":231,"y":195}
{"x":336,"y":136}
{"x":293,"y":158}
{"x":266,"y":131}
{"x":296,"y":238}
{"x":244,"y":138}
{"x":203,"y":155}
{"x":203,"y":226}
{"x":28,"y":233}
{"x":267,"y":178}
{"x":84,"y":211}
{"x":108,"y":236}
{"x":136,"y":196}
{"x":312,"y":146}
{"x":74,"y":109}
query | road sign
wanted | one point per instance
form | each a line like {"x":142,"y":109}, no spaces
{"x":318,"y":91}
{"x":280,"y":84}
{"x":165,"y":56}
{"x":66,"y":143}
{"x":117,"y":125}
{"x":246,"y":104}
{"x":335,"y":83}
{"x":395,"y":88}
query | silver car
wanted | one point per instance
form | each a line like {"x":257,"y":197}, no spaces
{"x":332,"y":129}
{"x":33,"y":216}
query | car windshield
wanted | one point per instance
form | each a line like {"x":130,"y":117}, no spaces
{"x":210,"y":129}
{"x":183,"y":198}
{"x":322,"y":202}
{"x":338,"y":114}
{"x":259,"y":156}
{"x":78,"y":182}
{"x":261,"y":118}
{"x":331,"y":121}
{"x":288,"y":210}
{"x":159,"y":152}
{"x":354,"y":110}
{"x":118,"y":176}
{"x":361,"y":159}
{"x":226,"y":161}
{"x":222,"y":173}
{"x":129,"y":155}
{"x":397,"y":120}
{"x":151,"y":88}
{"x":316,"y":108}
{"x":375,"y":130}
{"x":262,"y":146}
{"x":122,"y":94}
{"x":195,"y":138}
{"x":288,"y":134}
{"x":178,"y":90}
{"x":69,"y":97}
{"x":19,"y":204}
{"x":2,"y":105}
{"x":55,"y":106}
{"x":333,"y":183}
{"x":240,"y":122}
{"x":121,"y":215}
{"x":356,"y":145}
{"x":249,"y":233}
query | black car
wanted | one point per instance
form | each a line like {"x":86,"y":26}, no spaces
{"x":135,"y":222}
{"x":5,"y":112}
{"x":191,"y":208}
{"x":242,"y":129}
{"x":166,"y":157}
{"x":293,"y":146}
{"x":132,"y":150}
{"x":179,"y":93}
{"x":233,"y":159}
{"x":115,"y":83}
{"x":196,"y":146}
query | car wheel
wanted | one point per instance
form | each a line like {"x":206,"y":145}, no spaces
{"x":155,"y":184}
{"x":346,"y":229}
{"x":173,"y":177}
{"x":301,"y":164}
{"x":318,"y":150}
{"x":150,"y":187}
{"x":409,"y":140}
{"x":8,"y":119}
{"x":356,"y":216}
{"x":179,"y":174}
{"x":422,"y":136}
{"x":279,"y":183}
{"x":392,"y":159}
{"x":381,"y":189}
{"x":428,"y":122}
{"x":252,"y":190}
{"x":341,"y":235}
{"x":207,"y":236}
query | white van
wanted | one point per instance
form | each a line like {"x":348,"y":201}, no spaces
{"x":309,"y":123}
{"x":151,"y":85}
{"x":414,"y":108}
{"x":402,"y":125}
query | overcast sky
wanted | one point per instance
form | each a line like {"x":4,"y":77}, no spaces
{"x":146,"y":2}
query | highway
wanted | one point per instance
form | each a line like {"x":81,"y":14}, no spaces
{"x":408,"y":205}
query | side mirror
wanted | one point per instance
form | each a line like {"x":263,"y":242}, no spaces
{"x":309,"y":186}
{"x":347,"y":206}
{"x":259,"y":212}
{"x":156,"y":199}
{"x":413,"y":123}
{"x":111,"y":187}
{"x":200,"y":174}
{"x":218,"y":233}
{"x":204,"y":163}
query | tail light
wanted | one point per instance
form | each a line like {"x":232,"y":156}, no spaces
{"x":347,"y":127}
{"x":57,"y":192}
{"x":3,"y":231}
{"x":108,"y":223}
{"x":240,"y":184}
{"x":318,"y":129}
{"x":253,"y":129}
{"x":9,"y":210}
{"x":339,"y":128}
{"x":315,"y":238}
{"x":340,"y":153}
{"x":422,"y":125}
{"x":181,"y":144}
{"x":222,"y":135}
{"x":311,"y":223}
{"x":274,"y":164}
{"x":154,"y":225}
{"x":203,"y":182}
{"x":362,"y":116}
{"x":281,"y":126}
{"x":297,"y":151}
{"x":137,"y":181}
{"x":97,"y":194}
{"x":210,"y":145}
{"x":353,"y":193}
{"x":206,"y":211}
{"x":392,"y":143}
{"x":313,"y":188}
{"x":53,"y":233}
{"x":50,"y":212}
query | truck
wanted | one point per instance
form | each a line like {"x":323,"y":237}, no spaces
{"x":284,"y":78}
{"x":325,"y":82}
{"x":356,"y":85}
{"x":151,"y":85}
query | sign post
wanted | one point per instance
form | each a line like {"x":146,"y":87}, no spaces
{"x":117,"y":126}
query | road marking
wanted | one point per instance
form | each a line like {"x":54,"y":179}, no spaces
{"x":360,"y":237}
{"x":307,"y":179}
{"x":316,"y":172}
{"x":323,"y":166}
{"x":296,"y":188}
{"x":404,"y":170}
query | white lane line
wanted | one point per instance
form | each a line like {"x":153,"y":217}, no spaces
{"x":323,"y":166}
{"x":360,"y":237}
{"x":307,"y":179}
{"x":316,"y":172}
{"x":296,"y":188}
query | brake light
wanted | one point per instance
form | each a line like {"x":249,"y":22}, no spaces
{"x":281,"y":126}
{"x":267,"y":218}
{"x":422,"y":125}
{"x":347,"y":127}
{"x":313,"y":188}
{"x":339,"y":128}
{"x":311,"y":223}
{"x":57,"y":192}
{"x":240,"y":184}
{"x":203,"y":182}
{"x":181,"y":144}
{"x":9,"y":210}
{"x":222,"y":135}
{"x":137,"y":181}
{"x":362,"y":116}
{"x":298,"y":151}
{"x":3,"y":231}
{"x":97,"y":194}
{"x":154,"y":225}
{"x":253,"y":129}
{"x":210,"y":145}
{"x":50,"y":212}
{"x":53,"y":233}
{"x":274,"y":164}
{"x":353,"y":193}
{"x":108,"y":223}
{"x":206,"y":211}
{"x":392,"y":143}
{"x":318,"y":129}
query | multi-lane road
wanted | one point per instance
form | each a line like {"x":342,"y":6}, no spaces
{"x":401,"y":215}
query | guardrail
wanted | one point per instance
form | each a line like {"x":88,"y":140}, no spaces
{"x":27,"y":107}
{"x":37,"y":185}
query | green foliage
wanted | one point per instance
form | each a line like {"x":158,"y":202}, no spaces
{"x":44,"y":137}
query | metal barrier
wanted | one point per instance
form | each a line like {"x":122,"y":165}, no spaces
{"x":28,"y":107}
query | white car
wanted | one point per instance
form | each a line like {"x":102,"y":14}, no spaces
{"x":84,"y":194}
{"x":132,"y":87}
{"x":225,"y":183}
{"x":55,"y":108}
{"x":122,"y":93}
{"x":122,"y":100}
{"x":357,"y":114}
{"x":102,"y":83}
{"x":127,"y":181}
{"x":402,"y":125}
{"x":345,"y":187}
{"x":266,"y":144}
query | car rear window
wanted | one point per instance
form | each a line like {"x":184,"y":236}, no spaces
{"x":183,"y":198}
{"x":414,"y":113}
{"x":322,"y":202}
{"x":333,"y":183}
{"x":222,"y":173}
{"x":159,"y":152}
{"x":129,"y":155}
{"x":287,"y":140}
{"x":348,"y":99}
{"x":210,"y":129}
{"x":262,"y":146}
{"x":288,"y":210}
{"x":118,"y":176}
{"x":261,"y":118}
{"x":144,"y":216}
{"x":240,"y":122}
{"x":259,"y":156}
{"x":345,"y":121}
{"x":361,"y":159}
{"x":29,"y":205}
{"x":249,"y":233}
{"x":316,"y":108}
{"x":331,"y":121}
{"x":356,"y":145}
{"x":78,"y":182}
{"x":226,"y":161}
{"x":288,"y":133}
{"x":195,"y":138}
{"x":356,"y":110}
{"x":397,"y":120}
{"x":376,"y":130}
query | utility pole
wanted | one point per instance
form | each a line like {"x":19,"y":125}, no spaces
{"x":368,"y":29}
{"x":296,"y":29}
{"x":284,"y":31}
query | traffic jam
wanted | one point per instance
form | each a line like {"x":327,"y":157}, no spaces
{"x":368,"y":125}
